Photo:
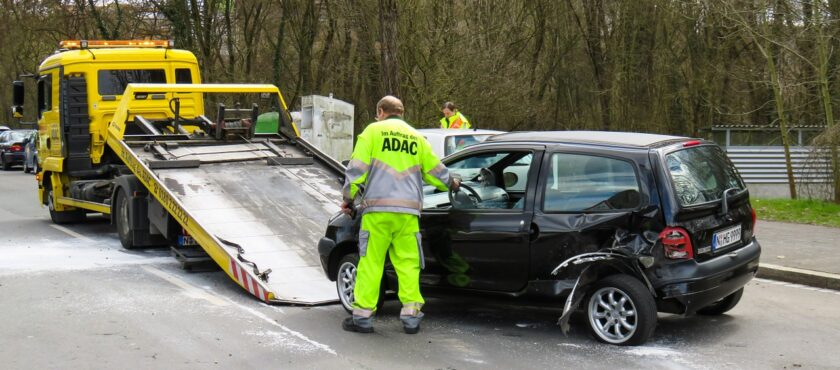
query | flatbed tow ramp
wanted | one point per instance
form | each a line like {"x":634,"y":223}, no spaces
{"x":257,"y":206}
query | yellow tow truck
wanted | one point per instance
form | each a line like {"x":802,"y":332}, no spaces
{"x":123,"y":132}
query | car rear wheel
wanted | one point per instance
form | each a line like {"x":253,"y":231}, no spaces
{"x":722,"y":306}
{"x":6,"y":165}
{"x":26,"y":168}
{"x":62,"y":217}
{"x":345,"y":282}
{"x":621,"y":311}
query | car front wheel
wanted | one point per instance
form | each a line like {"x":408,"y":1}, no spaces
{"x":621,"y":311}
{"x":345,"y":282}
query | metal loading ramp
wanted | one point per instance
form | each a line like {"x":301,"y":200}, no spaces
{"x":266,"y":218}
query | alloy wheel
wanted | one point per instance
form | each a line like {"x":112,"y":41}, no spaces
{"x":612,"y":315}
{"x":346,"y":282}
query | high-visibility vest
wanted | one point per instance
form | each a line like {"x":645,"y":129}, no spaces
{"x":457,"y":120}
{"x":392,"y":160}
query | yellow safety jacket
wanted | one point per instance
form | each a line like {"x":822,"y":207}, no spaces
{"x":392,"y":160}
{"x":457,"y":120}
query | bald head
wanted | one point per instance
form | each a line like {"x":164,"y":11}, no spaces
{"x":390,"y":106}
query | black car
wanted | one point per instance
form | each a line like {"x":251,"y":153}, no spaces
{"x":621,"y":225}
{"x":12,"y":148}
{"x":30,"y":160}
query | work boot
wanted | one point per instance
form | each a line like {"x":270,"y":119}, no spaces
{"x":411,"y":316}
{"x":360,"y":322}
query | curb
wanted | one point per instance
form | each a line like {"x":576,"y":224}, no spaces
{"x":815,"y":279}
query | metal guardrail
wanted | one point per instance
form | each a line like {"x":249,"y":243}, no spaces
{"x":766,"y":165}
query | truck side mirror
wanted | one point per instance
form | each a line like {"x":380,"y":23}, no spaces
{"x":17,"y":99}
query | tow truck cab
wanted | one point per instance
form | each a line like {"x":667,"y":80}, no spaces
{"x":78,"y":90}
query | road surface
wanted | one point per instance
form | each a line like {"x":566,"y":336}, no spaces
{"x":71,"y":297}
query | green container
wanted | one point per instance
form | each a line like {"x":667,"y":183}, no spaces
{"x":268,"y":123}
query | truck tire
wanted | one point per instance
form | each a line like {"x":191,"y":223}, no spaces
{"x":621,"y":311}
{"x":62,"y":217}
{"x":722,"y":306}
{"x":122,"y":219}
{"x":345,"y":281}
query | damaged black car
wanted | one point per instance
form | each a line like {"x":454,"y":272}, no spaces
{"x":618,"y":225}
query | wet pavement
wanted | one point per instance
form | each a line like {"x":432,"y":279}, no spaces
{"x":71,"y":297}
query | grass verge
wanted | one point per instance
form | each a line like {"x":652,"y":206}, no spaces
{"x":801,"y":211}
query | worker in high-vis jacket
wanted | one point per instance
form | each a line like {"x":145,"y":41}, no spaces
{"x":452,"y":117}
{"x":390,"y":162}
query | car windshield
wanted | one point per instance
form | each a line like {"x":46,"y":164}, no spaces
{"x":701,"y":174}
{"x":455,"y":143}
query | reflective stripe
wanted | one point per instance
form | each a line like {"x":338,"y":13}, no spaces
{"x":411,"y":309}
{"x":441,"y":173}
{"x":405,"y":203}
{"x":361,"y":312}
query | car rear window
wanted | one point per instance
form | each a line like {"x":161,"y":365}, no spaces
{"x":578,"y":183}
{"x":701,"y":174}
{"x":114,"y":81}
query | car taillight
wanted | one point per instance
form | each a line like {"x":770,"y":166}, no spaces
{"x":754,"y":218}
{"x":16,"y":148}
{"x":676,"y":243}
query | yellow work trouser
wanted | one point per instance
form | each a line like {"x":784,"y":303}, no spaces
{"x":398,"y":236}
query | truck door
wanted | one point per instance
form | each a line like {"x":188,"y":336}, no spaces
{"x":482,"y":242}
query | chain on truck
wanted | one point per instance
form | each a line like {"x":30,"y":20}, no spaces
{"x":126,"y":129}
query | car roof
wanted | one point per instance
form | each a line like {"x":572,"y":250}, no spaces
{"x":611,"y":138}
{"x":453,"y":132}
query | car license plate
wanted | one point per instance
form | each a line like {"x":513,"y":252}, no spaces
{"x":186,"y":240}
{"x":725,"y":238}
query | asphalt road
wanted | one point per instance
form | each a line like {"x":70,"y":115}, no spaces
{"x":70,"y":297}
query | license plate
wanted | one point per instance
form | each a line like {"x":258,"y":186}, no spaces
{"x":725,"y":238}
{"x":186,"y":240}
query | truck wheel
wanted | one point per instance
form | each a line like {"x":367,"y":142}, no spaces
{"x":722,"y":306}
{"x":621,"y":311}
{"x":122,"y":219}
{"x":62,"y":217}
{"x":345,"y":282}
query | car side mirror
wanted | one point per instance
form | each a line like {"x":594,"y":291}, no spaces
{"x":17,"y":99}
{"x":25,"y":141}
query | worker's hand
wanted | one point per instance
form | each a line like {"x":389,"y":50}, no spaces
{"x":345,"y":208}
{"x":456,"y":184}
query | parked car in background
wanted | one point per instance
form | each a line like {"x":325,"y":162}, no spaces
{"x":447,"y":141}
{"x":11,"y":148}
{"x":4,"y":128}
{"x":30,"y":161}
{"x":620,"y":225}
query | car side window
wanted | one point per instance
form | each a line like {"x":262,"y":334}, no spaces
{"x":581,"y":183}
{"x":493,"y":180}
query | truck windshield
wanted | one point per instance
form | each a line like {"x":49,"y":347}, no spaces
{"x":114,"y":81}
{"x":701,"y":174}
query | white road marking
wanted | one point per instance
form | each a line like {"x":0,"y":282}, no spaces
{"x":72,"y":233}
{"x":271,"y":321}
{"x":191,"y":290}
{"x":220,"y":300}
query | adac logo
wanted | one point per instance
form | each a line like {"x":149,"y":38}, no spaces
{"x":399,"y":142}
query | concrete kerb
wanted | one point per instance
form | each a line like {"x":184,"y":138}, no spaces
{"x":815,"y":279}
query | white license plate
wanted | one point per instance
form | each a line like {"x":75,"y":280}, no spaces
{"x":725,"y":238}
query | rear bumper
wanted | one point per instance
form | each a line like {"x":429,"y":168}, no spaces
{"x":14,"y":157}
{"x":687,"y":287}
